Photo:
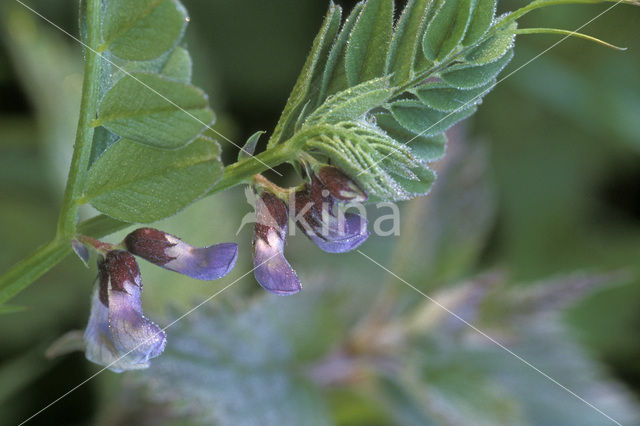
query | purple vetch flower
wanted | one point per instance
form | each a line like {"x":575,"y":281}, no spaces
{"x":272,"y":270}
{"x":319,"y":217}
{"x":169,"y":252}
{"x":118,"y":334}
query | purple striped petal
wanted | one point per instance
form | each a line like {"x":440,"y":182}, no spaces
{"x":332,"y":232}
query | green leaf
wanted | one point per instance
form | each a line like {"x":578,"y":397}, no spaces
{"x":228,"y":368}
{"x":334,"y":78}
{"x":420,"y":185}
{"x":102,"y":140}
{"x":352,"y":103}
{"x":470,"y":77}
{"x":155,"y":110}
{"x":420,"y":119}
{"x":443,"y":97}
{"x":494,"y":48}
{"x":143,"y":29}
{"x":178,"y":66}
{"x":425,"y":148}
{"x":406,"y":40}
{"x":446,"y":30}
{"x":133,"y":182}
{"x":310,"y":72}
{"x":481,"y":20}
{"x":369,"y":42}
{"x":250,"y":146}
{"x":452,"y":388}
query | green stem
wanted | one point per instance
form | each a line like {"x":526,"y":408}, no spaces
{"x":47,"y":256}
{"x":30,"y":269}
{"x":243,"y":171}
{"x":67,"y":221}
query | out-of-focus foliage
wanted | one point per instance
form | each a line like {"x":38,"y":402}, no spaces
{"x":548,"y":187}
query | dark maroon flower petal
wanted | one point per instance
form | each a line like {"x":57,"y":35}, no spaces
{"x":170,"y":252}
{"x":339,"y":185}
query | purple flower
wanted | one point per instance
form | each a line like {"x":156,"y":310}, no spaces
{"x":118,"y":334}
{"x":169,"y":252}
{"x":319,"y":217}
{"x":272,"y":270}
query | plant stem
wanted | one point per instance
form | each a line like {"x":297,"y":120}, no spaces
{"x":67,"y":221}
{"x":30,"y":269}
{"x":47,"y":256}
{"x":243,"y":171}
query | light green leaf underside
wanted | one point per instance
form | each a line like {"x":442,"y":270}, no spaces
{"x":469,"y":77}
{"x":154,"y":110}
{"x":143,"y":29}
{"x":133,"y":182}
{"x":442,"y":97}
{"x":352,"y":103}
{"x":425,"y":148}
{"x":420,"y":119}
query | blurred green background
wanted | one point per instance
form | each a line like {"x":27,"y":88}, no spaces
{"x":543,"y":182}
